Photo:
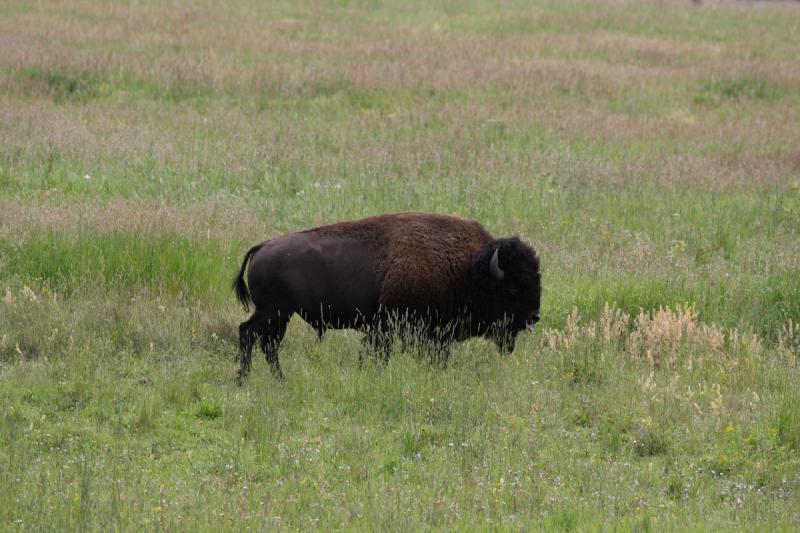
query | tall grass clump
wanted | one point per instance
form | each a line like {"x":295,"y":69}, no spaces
{"x":115,"y":261}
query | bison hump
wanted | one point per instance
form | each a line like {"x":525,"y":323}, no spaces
{"x":427,"y":266}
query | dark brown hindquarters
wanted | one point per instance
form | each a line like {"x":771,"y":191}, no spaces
{"x":265,"y":324}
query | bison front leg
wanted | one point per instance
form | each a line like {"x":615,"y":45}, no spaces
{"x":440,"y":353}
{"x":377,"y":343}
{"x":505,"y":342}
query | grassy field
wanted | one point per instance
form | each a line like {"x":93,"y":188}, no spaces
{"x":649,"y":150}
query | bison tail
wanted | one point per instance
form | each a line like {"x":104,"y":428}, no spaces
{"x":239,"y":286}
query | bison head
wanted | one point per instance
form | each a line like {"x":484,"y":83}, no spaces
{"x":507,"y":275}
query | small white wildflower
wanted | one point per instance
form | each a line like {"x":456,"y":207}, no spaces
{"x":87,"y":177}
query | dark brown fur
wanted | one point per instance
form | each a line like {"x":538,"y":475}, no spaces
{"x":431,"y":270}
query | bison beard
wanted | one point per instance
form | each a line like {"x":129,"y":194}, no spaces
{"x":444,"y":277}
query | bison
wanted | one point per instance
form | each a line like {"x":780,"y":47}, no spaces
{"x":444,"y":275}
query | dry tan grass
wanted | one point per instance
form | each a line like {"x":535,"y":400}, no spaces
{"x":213,"y":219}
{"x":220,"y":137}
{"x":222,"y":51}
{"x":663,"y":337}
{"x":523,"y":73}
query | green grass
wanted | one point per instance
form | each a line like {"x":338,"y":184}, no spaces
{"x":648,"y":151}
{"x":119,"y":263}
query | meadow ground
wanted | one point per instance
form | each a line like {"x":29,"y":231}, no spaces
{"x":649,"y":150}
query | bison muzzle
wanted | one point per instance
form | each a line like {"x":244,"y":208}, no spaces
{"x":446,"y":276}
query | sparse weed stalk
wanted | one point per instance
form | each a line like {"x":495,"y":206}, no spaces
{"x":789,"y":337}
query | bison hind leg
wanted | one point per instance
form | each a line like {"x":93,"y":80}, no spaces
{"x":267,"y":327}
{"x":270,"y":341}
{"x":246,"y":338}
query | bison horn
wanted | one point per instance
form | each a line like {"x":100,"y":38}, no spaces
{"x":494,"y":265}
